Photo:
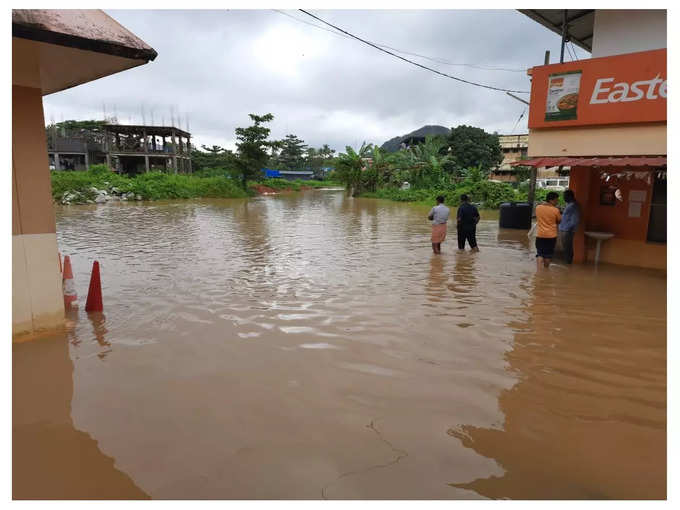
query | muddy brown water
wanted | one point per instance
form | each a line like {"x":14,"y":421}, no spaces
{"x":310,"y":346}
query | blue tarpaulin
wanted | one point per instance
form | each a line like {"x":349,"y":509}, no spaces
{"x":271,"y":173}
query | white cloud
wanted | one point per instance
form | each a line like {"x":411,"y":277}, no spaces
{"x":217,"y":66}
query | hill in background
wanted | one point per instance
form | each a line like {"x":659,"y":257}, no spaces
{"x":392,"y":145}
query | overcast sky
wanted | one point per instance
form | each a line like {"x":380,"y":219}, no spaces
{"x":215,"y":67}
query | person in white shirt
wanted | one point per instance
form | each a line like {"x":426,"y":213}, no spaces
{"x":439,"y":215}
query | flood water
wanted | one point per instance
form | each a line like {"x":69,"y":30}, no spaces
{"x":311,"y":346}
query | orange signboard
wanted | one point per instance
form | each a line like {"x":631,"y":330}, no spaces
{"x":622,"y":89}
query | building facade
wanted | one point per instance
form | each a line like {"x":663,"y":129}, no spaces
{"x":605,"y":119}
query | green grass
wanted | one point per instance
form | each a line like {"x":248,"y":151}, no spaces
{"x":161,"y":186}
{"x":149,"y":186}
{"x":489,"y":195}
{"x":296,"y":185}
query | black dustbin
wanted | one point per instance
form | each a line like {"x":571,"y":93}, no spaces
{"x":515,"y":215}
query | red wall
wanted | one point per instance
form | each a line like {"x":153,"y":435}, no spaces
{"x":586,"y":183}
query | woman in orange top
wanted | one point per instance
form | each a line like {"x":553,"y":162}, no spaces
{"x":548,"y":217}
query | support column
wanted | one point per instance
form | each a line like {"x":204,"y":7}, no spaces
{"x":37,"y":299}
{"x":174,"y":152}
{"x":191,"y":170}
{"x":87,"y":161}
{"x":57,"y":166}
{"x":146,"y":162}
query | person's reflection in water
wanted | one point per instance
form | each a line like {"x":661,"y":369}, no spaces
{"x":587,"y":419}
{"x":436,"y":285}
{"x":464,"y":277}
{"x":51,"y":459}
{"x":98,"y":321}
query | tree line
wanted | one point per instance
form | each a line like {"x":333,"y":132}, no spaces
{"x":437,"y":162}
{"x":254,"y":151}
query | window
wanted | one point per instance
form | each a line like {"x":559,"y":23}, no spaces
{"x":657,"y":215}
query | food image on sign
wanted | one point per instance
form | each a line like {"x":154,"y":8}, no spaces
{"x":563,"y":90}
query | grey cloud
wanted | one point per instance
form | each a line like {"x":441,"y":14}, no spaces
{"x":218,"y":66}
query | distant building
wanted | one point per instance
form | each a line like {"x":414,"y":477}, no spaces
{"x":514,"y":148}
{"x":135,"y":149}
{"x":124,"y":148}
{"x":292,"y":175}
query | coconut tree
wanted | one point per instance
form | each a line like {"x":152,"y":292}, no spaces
{"x":350,"y":165}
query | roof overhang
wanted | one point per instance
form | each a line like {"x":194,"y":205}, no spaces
{"x":57,"y":49}
{"x":580,"y":23}
{"x":655,"y":162}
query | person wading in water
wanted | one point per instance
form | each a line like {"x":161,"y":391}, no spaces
{"x":570,"y":220}
{"x":548,"y":217}
{"x":468,"y":217}
{"x":439,"y":215}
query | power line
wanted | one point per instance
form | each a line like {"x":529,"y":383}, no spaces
{"x":433,"y":59}
{"x":520,"y":118}
{"x":412,"y":62}
{"x":574,"y":50}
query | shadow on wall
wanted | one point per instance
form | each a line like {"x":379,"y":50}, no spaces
{"x":51,"y":459}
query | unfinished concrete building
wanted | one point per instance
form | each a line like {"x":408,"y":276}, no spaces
{"x":136,"y":149}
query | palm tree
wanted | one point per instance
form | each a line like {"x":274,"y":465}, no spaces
{"x":350,"y":165}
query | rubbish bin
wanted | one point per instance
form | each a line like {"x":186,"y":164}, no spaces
{"x":515,"y":215}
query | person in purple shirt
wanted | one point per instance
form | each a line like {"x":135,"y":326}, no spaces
{"x":570,"y":219}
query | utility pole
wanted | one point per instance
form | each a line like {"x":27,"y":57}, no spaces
{"x":564,"y":35}
{"x":531,"y":196}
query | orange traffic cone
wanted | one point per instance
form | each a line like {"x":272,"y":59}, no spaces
{"x":68,"y":284}
{"x":94,"y":294}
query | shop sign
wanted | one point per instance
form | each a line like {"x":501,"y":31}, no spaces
{"x":622,"y":89}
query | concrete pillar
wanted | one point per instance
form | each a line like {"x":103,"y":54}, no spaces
{"x":174,"y":151}
{"x":57,"y":166}
{"x":146,"y":162}
{"x":191,"y":170}
{"x":37,"y":299}
{"x":87,"y":161}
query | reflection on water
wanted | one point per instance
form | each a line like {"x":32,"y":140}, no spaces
{"x":588,"y":418}
{"x":51,"y":458}
{"x":310,"y":346}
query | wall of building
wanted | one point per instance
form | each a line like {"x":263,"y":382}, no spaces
{"x":629,"y":246}
{"x":613,"y":34}
{"x":628,"y":140}
{"x":37,"y":299}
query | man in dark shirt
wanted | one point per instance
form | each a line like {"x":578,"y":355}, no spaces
{"x":468,"y":217}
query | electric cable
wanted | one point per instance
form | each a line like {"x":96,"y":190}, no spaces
{"x":517,"y":122}
{"x":490,"y":87}
{"x":433,"y":59}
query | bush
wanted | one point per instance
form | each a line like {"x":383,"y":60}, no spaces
{"x":297,"y":184}
{"x":150,"y":186}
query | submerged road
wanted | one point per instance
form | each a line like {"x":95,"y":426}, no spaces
{"x":310,"y":346}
